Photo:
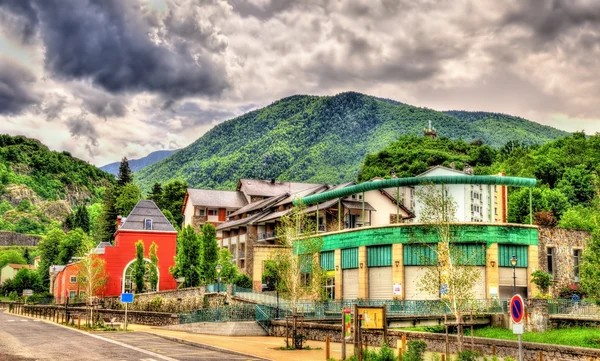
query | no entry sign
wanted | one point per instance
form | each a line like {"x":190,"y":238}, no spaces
{"x":517,"y":308}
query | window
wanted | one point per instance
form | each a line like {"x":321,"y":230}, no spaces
{"x":72,"y":294}
{"x":147,"y":223}
{"x":73,"y":279}
{"x":550,"y":252}
{"x":212,"y":212}
{"x":305,"y":279}
{"x":330,"y":288}
{"x":227,"y":213}
{"x":576,"y":263}
{"x":128,"y":282}
{"x":200,"y":212}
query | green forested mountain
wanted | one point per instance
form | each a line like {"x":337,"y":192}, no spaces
{"x":39,"y":187}
{"x":566,"y":170}
{"x":318,"y":139}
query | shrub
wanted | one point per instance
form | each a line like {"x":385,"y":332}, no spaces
{"x":508,"y":358}
{"x":436,"y":357}
{"x":542,"y":279}
{"x":415,"y":351}
{"x":25,"y":205}
{"x":467,"y":355}
{"x":243,"y":280}
{"x":13,"y":296}
{"x":156,"y":303}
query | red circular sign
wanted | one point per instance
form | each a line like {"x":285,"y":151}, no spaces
{"x":517,"y":308}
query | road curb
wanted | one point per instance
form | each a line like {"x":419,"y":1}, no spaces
{"x":205,"y":346}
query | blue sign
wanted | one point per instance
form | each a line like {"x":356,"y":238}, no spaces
{"x":127,"y":297}
{"x":444,"y":289}
{"x":574,"y":298}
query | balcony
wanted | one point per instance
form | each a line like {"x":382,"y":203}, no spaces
{"x":356,"y":225}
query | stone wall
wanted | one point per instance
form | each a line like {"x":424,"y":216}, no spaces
{"x":8,"y":238}
{"x":436,"y":343}
{"x":563,"y":241}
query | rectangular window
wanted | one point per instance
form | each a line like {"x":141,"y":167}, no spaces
{"x":550,"y":252}
{"x":147,"y":223}
{"x":227,"y":213}
{"x":576,"y":262}
{"x":73,"y":279}
{"x":330,"y":288}
{"x":212,"y":212}
{"x":72,"y":294}
{"x":200,"y":212}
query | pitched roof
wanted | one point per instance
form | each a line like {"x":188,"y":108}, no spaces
{"x":440,"y":167}
{"x":100,"y":247}
{"x":259,"y":204}
{"x":215,"y":198}
{"x":19,"y":266}
{"x":241,"y":221}
{"x":147,"y":209}
{"x":267,"y":188}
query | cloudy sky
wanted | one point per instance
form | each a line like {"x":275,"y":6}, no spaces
{"x":110,"y":78}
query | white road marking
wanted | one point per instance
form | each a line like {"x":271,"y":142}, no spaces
{"x":10,"y":320}
{"x":24,"y":320}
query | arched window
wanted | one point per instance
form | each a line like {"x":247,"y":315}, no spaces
{"x":129,"y":284}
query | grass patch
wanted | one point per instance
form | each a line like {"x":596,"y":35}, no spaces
{"x":580,"y":337}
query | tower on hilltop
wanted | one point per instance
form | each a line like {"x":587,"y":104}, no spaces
{"x":430,"y":131}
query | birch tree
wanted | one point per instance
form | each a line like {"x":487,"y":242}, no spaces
{"x":91,"y":278}
{"x":454,"y":271}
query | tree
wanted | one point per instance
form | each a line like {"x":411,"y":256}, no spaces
{"x":27,"y":279}
{"x":125,"y":175}
{"x":187,"y":260}
{"x":26,"y":255}
{"x":91,"y":278}
{"x":49,"y":249}
{"x":153,"y":270}
{"x":82,"y":219}
{"x":542,"y":280}
{"x":76,"y":243}
{"x":69,"y":222}
{"x":128,"y":197}
{"x":12,"y":256}
{"x":589,"y":271}
{"x":171,"y":219}
{"x":297,"y":263}
{"x":139,"y":268}
{"x":106,"y":225}
{"x":156,"y":195}
{"x":173,"y":195}
{"x":210,"y":253}
{"x":454,"y":269}
{"x":228,"y":269}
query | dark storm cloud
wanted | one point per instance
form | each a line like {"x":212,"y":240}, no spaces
{"x":268,"y":10}
{"x":548,"y":19}
{"x":21,"y":16}
{"x":107,"y":43}
{"x":190,"y":114}
{"x":80,"y":126}
{"x":16,"y":90}
{"x":102,"y":104}
{"x":53,"y":106}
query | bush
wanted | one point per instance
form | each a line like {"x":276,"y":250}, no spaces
{"x":542,"y":279}
{"x":243,"y":280}
{"x":25,"y":205}
{"x":467,"y":355}
{"x":415,"y":351}
{"x":156,"y":303}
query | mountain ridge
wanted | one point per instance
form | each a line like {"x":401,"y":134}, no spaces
{"x":320,"y":139}
{"x":140,"y":163}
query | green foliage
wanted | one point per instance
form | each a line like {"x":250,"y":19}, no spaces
{"x":153,"y":269}
{"x":172,"y":199}
{"x":29,"y":226}
{"x":187,"y":260}
{"x":106,"y":224}
{"x":75,"y":244}
{"x":156,"y":194}
{"x":13,"y":296}
{"x":468,"y":355}
{"x":25,"y":206}
{"x":322,"y":139}
{"x":82,"y":219}
{"x":210,"y":253}
{"x":243,"y":280}
{"x":271,"y":276}
{"x":590,"y":266}
{"x":139,"y":268}
{"x":542,"y":280}
{"x":580,"y":217}
{"x":127,"y":198}
{"x":4,"y":207}
{"x":228,"y":269}
{"x":27,"y":279}
{"x":125,"y":175}
{"x":11,"y":256}
{"x":169,"y":216}
{"x":415,"y":351}
{"x":49,"y":249}
{"x":575,"y":336}
{"x":50,"y":174}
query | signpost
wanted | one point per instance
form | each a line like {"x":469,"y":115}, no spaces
{"x":346,"y":327}
{"x":368,"y":317}
{"x":517,"y":311}
{"x":126,"y":298}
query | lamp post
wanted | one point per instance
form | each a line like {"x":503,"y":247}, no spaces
{"x":513,"y":262}
{"x":218,"y":268}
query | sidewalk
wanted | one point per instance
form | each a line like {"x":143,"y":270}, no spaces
{"x":266,"y":347}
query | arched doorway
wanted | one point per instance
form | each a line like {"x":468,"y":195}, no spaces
{"x":128,"y":285}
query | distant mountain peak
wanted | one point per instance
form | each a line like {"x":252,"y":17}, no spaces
{"x":141,"y":163}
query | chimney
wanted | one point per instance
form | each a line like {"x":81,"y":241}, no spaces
{"x":119,"y":220}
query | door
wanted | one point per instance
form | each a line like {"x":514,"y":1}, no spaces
{"x":479,"y":287}
{"x":350,"y":284}
{"x":380,"y":283}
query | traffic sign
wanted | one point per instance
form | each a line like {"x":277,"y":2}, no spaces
{"x":127,"y":297}
{"x":517,"y":308}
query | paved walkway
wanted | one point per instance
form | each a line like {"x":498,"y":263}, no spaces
{"x":266,"y":347}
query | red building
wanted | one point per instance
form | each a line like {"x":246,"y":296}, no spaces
{"x":146,"y":223}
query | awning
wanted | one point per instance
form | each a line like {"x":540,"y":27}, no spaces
{"x":358,"y":205}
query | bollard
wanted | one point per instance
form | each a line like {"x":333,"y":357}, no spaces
{"x":327,"y":348}
{"x":443,"y":357}
{"x":403,"y":342}
{"x":493,"y":349}
{"x":399,"y":353}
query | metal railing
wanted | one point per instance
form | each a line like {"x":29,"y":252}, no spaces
{"x":583,"y":308}
{"x":216,"y":287}
{"x":235,"y":313}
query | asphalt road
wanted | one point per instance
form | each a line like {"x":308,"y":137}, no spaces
{"x":25,"y":339}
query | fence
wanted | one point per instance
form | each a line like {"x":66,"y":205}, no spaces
{"x":584,"y":308}
{"x":234,"y":313}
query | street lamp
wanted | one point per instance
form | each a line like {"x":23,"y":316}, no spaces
{"x":218,"y":268}
{"x":513,"y":262}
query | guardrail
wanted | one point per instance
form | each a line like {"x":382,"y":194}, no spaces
{"x":584,"y":308}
